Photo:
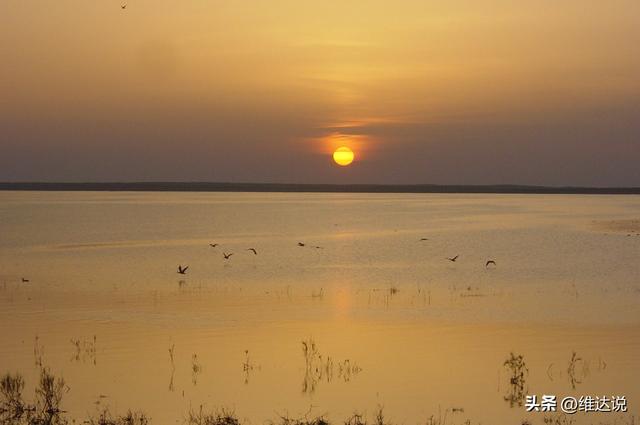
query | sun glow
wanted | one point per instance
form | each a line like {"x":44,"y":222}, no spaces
{"x":343,"y":156}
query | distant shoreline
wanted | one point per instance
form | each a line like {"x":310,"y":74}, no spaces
{"x":327,"y":188}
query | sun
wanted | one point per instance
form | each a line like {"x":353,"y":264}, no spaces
{"x":343,"y":156}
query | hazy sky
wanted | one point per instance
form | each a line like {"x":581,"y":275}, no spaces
{"x":459,"y":92}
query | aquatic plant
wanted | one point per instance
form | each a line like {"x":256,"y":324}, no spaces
{"x":517,"y":380}
{"x":46,"y":410}
{"x":359,"y":419}
{"x":304,"y":420}
{"x":222,"y":417}
{"x":49,"y":393}
{"x":11,"y":387}
{"x":130,"y":418}
{"x":247,"y":366}
{"x":84,"y":350}
{"x":379,"y":420}
{"x":318,"y":367}
{"x":558,"y":419}
{"x":173,"y":366}
{"x":196,"y":369}
{"x":347,"y":368}
{"x":313,"y":365}
{"x":78,"y":350}
{"x":576,"y":376}
{"x":38,"y":352}
{"x":171,"y":355}
{"x":355,"y":419}
{"x":48,"y":399}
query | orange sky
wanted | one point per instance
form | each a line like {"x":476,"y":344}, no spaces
{"x":537,"y":92}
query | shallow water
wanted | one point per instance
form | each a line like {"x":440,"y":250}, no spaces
{"x":422,"y":335}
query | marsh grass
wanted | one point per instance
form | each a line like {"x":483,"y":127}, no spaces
{"x":130,"y":418}
{"x":306,"y":419}
{"x":78,"y":350}
{"x":90,"y":348}
{"x":422,"y":296}
{"x":517,"y":381}
{"x":221,"y":417}
{"x":196,"y":369}
{"x":45,"y":410}
{"x":50,"y":392}
{"x":284,"y":420}
{"x":356,"y":419}
{"x":226,"y":417}
{"x":248,"y":366}
{"x":172,"y":352}
{"x":347,"y":369}
{"x":558,"y":419}
{"x":318,"y":368}
{"x":84,"y":350}
{"x":577,"y":370}
{"x":313,"y":366}
{"x":446,"y":417}
{"x":11,"y":387}
{"x":38,"y":352}
{"x":173,"y":366}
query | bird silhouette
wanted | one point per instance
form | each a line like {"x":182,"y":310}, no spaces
{"x":227,"y":256}
{"x":182,"y":270}
{"x":490,"y":262}
{"x":213,"y":245}
{"x":423,"y":239}
{"x":453,"y":259}
{"x":25,"y":280}
{"x":254,"y":250}
{"x":123,"y":6}
{"x":300,"y":244}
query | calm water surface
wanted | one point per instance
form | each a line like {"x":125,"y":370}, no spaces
{"x":404,"y":327}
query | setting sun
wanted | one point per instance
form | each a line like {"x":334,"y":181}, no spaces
{"x":343,"y":156}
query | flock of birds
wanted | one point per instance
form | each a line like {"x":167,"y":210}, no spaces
{"x":183,"y":269}
{"x":487,"y":264}
{"x":454,"y":259}
{"x":226,"y":255}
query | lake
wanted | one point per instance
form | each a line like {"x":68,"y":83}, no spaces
{"x":387,"y":319}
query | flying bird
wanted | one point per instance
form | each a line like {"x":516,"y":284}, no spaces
{"x":213,"y":245}
{"x":123,"y":6}
{"x":227,"y":256}
{"x":490,"y":262}
{"x":423,"y":239}
{"x":300,"y":244}
{"x":25,"y":280}
{"x":317,"y":247}
{"x":182,"y":270}
{"x":254,"y":251}
{"x":453,"y":259}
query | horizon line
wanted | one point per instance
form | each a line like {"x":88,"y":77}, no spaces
{"x":206,"y":186}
